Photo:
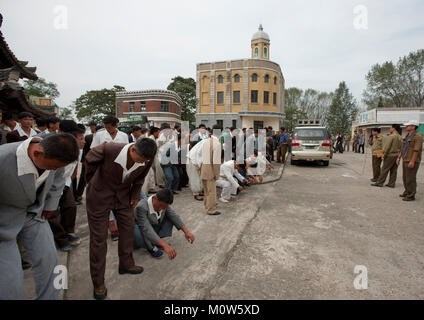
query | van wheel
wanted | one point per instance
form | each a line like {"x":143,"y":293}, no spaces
{"x":326,"y":163}
{"x":292,"y":162}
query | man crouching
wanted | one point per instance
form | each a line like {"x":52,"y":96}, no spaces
{"x":155,"y":220}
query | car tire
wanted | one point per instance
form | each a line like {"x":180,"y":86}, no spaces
{"x":293,"y":162}
{"x":326,"y":163}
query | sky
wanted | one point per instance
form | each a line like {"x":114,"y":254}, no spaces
{"x":88,"y":44}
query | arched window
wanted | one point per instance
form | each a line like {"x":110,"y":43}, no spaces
{"x":220,"y":79}
{"x":265,"y":52}
{"x":256,"y":52}
{"x":275,"y":80}
{"x":237,"y":78}
{"x":266,"y":79}
{"x":254,"y":77}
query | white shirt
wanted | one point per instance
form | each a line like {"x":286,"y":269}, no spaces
{"x":23,"y":133}
{"x":8,"y":129}
{"x":26,"y":166}
{"x":103,"y":136}
{"x":227,"y":171}
{"x":195,"y":154}
{"x":122,"y":160}
{"x":152,"y":210}
{"x":69,"y":170}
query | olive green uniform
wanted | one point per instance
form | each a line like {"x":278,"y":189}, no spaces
{"x":376,"y":145}
{"x":415,"y":144}
{"x":391,"y":149}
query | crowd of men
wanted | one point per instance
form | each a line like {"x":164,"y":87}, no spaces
{"x":129,"y":179}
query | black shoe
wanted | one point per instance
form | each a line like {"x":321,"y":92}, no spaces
{"x":373,"y":180}
{"x":376,"y":185}
{"x":389,"y":186}
{"x":174,"y":192}
{"x":216,"y":213}
{"x":100,"y":293}
{"x":403,"y":195}
{"x":409,"y":199}
{"x":132,"y":270}
{"x":25,"y":265}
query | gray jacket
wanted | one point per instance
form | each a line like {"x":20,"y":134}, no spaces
{"x":18,"y":195}
{"x":147,"y":221}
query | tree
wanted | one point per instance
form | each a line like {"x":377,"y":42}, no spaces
{"x":342,"y":110}
{"x":41,"y":88}
{"x":186,"y":89}
{"x":67,"y":113}
{"x":399,"y":85}
{"x":292,"y":115}
{"x":94,"y":105}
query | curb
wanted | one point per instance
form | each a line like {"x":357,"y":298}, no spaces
{"x":280,"y":172}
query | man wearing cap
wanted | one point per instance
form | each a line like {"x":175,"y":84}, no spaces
{"x":24,"y":130}
{"x":391,"y":149}
{"x":377,"y":150}
{"x":155,"y":220}
{"x":411,"y":155}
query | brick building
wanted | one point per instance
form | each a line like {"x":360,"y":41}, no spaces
{"x":159,"y":106}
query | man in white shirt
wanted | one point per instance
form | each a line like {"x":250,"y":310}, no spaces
{"x":31,"y":187}
{"x":110,"y":133}
{"x":194,"y":162}
{"x":202,"y":134}
{"x":24,"y":130}
{"x":227,"y":181}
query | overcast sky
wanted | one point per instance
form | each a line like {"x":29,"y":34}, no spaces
{"x":143,"y":44}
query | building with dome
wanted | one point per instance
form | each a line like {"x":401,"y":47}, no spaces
{"x":245,"y":93}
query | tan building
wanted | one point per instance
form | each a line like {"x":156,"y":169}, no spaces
{"x":246,"y":93}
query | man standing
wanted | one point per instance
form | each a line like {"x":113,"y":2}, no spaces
{"x":346,"y":145}
{"x":377,"y":152}
{"x":114,"y":173}
{"x":110,"y":134}
{"x":8,"y":125}
{"x":31,"y":184}
{"x":24,"y":130}
{"x":391,"y":150}
{"x":209,"y":170}
{"x":361,"y":143}
{"x":282,"y":146}
{"x":411,"y":155}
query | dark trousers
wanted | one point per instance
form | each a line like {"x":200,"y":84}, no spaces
{"x":376,"y":167}
{"x":81,"y":183}
{"x":361,"y":146}
{"x":410,"y":179}
{"x":163,"y":230}
{"x":63,"y":221}
{"x":389,"y":165}
{"x":98,"y":222}
{"x":183,"y":176}
{"x":172,"y":177}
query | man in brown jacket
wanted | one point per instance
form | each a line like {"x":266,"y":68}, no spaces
{"x":209,"y":170}
{"x":114,"y":173}
{"x":391,"y":149}
{"x":411,"y":155}
{"x":377,"y":151}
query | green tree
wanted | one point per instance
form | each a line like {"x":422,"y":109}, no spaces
{"x":94,"y":105}
{"x":342,"y":110}
{"x":186,"y":89}
{"x":41,"y":88}
{"x":67,"y":113}
{"x":292,"y":115}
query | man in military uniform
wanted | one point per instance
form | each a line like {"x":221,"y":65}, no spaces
{"x":411,"y":155}
{"x":377,"y":150}
{"x":356,"y":138}
{"x":391,"y":150}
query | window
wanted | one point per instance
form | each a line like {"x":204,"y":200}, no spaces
{"x":234,"y":123}
{"x":254,"y":77}
{"x":275,"y":80}
{"x":254,"y":96}
{"x":131,"y":106}
{"x":237,"y":78}
{"x":236,"y":96}
{"x":220,"y":123}
{"x":220,"y":97}
{"x":265,"y":52}
{"x":256,"y":52}
{"x":274,"y":98}
{"x":266,"y":97}
{"x":258,"y":125}
{"x":142,"y":106}
{"x":164,"y":106}
{"x":220,"y":79}
{"x":266,"y":79}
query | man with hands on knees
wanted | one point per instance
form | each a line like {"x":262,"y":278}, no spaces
{"x":154,"y":221}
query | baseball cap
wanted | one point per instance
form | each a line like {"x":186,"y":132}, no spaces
{"x":412,"y":123}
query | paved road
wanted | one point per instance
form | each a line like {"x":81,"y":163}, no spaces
{"x":297,"y":238}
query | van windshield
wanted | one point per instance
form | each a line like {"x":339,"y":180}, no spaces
{"x":311,"y":134}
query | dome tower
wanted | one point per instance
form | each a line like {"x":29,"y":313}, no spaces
{"x":260,"y":44}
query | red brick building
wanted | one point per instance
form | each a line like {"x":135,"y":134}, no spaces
{"x":159,"y":106}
